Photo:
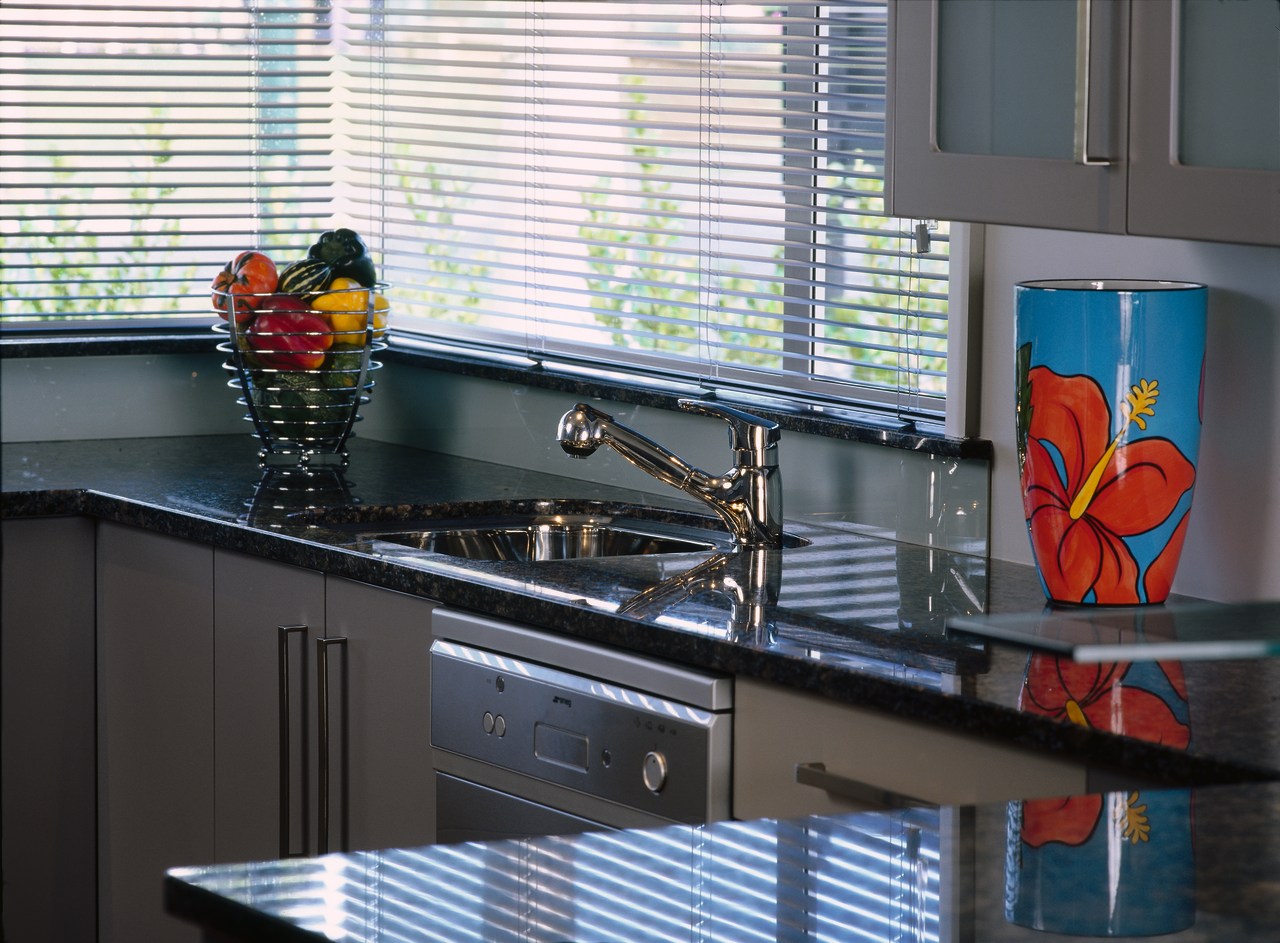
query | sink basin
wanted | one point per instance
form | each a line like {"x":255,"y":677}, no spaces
{"x":528,"y":531}
{"x":554,"y":538}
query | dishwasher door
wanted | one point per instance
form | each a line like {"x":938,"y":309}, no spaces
{"x":467,"y":811}
{"x":521,"y":746}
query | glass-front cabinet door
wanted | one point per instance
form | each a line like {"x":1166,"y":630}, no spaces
{"x":1009,"y":112}
{"x":1205,"y":121}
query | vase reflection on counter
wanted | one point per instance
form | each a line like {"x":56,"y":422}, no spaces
{"x":1109,"y":382}
{"x":1112,"y":864}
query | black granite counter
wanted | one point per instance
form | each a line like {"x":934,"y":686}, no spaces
{"x":1122,"y":866}
{"x":848,"y":615}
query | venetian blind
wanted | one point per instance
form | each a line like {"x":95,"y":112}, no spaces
{"x":690,"y":188}
{"x":146,"y":143}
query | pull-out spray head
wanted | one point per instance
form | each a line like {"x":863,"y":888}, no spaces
{"x":580,"y":431}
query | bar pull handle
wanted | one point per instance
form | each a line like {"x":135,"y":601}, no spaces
{"x":283,"y":633}
{"x":817,"y":775}
{"x":325,"y":719}
{"x":1085,"y":114}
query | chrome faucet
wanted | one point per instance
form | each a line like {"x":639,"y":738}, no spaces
{"x":748,"y":497}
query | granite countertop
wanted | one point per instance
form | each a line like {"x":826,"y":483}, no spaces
{"x":849,"y":616}
{"x":918,"y":874}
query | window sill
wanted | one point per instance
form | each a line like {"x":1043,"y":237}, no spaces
{"x":15,"y":344}
{"x":820,"y":419}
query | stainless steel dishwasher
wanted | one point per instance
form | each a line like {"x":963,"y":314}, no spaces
{"x":538,"y":734}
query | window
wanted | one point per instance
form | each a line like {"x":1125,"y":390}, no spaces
{"x":681,"y":187}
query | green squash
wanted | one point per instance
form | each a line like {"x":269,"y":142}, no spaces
{"x":305,"y":277}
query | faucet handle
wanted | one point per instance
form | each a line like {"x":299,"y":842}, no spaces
{"x":747,"y":433}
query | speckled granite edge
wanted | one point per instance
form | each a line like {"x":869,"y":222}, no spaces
{"x":20,"y":345}
{"x":903,"y":699}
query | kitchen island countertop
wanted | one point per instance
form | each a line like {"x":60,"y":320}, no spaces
{"x":911,"y":875}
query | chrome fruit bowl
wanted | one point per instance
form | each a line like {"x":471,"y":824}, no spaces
{"x":303,"y":389}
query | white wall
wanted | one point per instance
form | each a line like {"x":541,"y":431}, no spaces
{"x":1233,"y":541}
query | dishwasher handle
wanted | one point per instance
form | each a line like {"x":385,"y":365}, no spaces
{"x":818,"y":776}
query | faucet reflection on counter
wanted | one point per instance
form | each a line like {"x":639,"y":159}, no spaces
{"x":748,"y":577}
{"x":748,"y":497}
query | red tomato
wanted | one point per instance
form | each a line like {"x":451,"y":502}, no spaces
{"x":245,"y":280}
{"x":287,"y":338}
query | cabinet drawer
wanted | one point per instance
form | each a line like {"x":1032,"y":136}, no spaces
{"x":777,"y":730}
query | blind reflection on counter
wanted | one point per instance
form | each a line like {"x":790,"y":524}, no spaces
{"x":865,"y":878}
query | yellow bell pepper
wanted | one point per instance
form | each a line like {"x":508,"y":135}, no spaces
{"x":346,"y":305}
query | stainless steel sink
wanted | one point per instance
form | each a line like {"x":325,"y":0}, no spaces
{"x":553,"y":538}
{"x":528,"y":531}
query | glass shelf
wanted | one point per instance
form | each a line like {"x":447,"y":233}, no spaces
{"x":1185,"y":632}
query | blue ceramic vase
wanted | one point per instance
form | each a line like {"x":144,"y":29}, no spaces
{"x":1109,"y":380}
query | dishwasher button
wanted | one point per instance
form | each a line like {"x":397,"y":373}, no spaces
{"x":487,"y":721}
{"x":500,"y":726}
{"x":655,"y":771}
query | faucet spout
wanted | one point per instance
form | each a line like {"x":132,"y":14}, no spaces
{"x":748,"y":497}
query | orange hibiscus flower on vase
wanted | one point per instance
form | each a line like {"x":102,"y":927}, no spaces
{"x":1085,"y":490}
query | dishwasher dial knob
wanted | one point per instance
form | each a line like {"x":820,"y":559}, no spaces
{"x":655,"y":771}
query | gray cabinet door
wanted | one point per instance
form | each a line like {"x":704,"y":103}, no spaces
{"x":267,"y":616}
{"x":387,"y":752}
{"x":321,"y":713}
{"x":988,"y":122}
{"x":47,"y":743}
{"x":1205,"y":121}
{"x":155,"y":725}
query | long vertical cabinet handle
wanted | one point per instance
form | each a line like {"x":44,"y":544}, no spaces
{"x":1089,"y":34}
{"x":286,"y":741}
{"x":322,"y":707}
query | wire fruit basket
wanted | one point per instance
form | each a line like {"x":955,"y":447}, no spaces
{"x":303,"y":380}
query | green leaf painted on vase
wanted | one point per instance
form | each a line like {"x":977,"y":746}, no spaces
{"x":1023,"y":368}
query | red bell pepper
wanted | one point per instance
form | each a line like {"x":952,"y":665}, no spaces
{"x":288,"y":339}
{"x":244,"y":282}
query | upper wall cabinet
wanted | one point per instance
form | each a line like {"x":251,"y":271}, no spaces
{"x":1151,"y":118}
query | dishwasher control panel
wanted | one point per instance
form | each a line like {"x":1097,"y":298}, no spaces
{"x":623,"y":745}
